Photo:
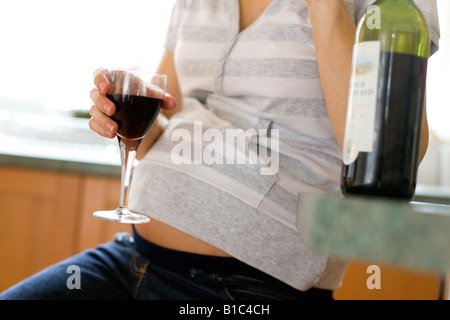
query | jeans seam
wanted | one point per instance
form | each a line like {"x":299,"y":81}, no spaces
{"x":263,"y":293}
{"x":138,"y":272}
{"x":225,"y":293}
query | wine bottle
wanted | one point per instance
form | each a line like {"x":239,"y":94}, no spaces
{"x":386,"y":101}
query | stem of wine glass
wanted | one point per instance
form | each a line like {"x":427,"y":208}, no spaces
{"x":128,"y":150}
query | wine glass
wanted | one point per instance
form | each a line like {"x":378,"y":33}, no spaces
{"x":138,"y":97}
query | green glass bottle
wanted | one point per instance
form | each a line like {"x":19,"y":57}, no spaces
{"x":386,"y":101}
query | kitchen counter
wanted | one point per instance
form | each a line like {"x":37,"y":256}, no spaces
{"x":407,"y":234}
{"x":58,"y":142}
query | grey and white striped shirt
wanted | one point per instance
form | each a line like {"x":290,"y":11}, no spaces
{"x":263,"y":78}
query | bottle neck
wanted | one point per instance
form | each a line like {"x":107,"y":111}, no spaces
{"x":402,"y":28}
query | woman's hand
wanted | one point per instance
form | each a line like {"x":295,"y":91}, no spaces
{"x":103,"y":108}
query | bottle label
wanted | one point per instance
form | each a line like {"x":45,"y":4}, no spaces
{"x":362,"y":101}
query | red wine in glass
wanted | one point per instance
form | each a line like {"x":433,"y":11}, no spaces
{"x":135,"y":115}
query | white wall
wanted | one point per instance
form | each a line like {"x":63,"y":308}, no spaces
{"x":435,"y":168}
{"x":50,"y":48}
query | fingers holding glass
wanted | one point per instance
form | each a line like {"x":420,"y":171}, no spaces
{"x":100,"y":113}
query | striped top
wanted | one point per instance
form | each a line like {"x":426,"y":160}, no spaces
{"x":261,"y":84}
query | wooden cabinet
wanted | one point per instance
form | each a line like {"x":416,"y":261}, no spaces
{"x":46,"y":216}
{"x":37,"y":221}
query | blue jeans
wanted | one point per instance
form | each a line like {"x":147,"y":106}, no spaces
{"x":133,"y":268}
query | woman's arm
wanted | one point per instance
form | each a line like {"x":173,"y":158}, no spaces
{"x":334,"y":35}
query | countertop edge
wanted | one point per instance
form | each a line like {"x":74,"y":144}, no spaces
{"x":76,"y":167}
{"x":387,"y":232}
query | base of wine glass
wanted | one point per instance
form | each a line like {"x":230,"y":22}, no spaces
{"x":122,"y":215}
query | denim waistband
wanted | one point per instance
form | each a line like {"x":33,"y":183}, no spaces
{"x":188,"y":262}
{"x":185,"y":261}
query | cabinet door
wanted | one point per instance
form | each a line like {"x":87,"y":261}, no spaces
{"x":37,"y":220}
